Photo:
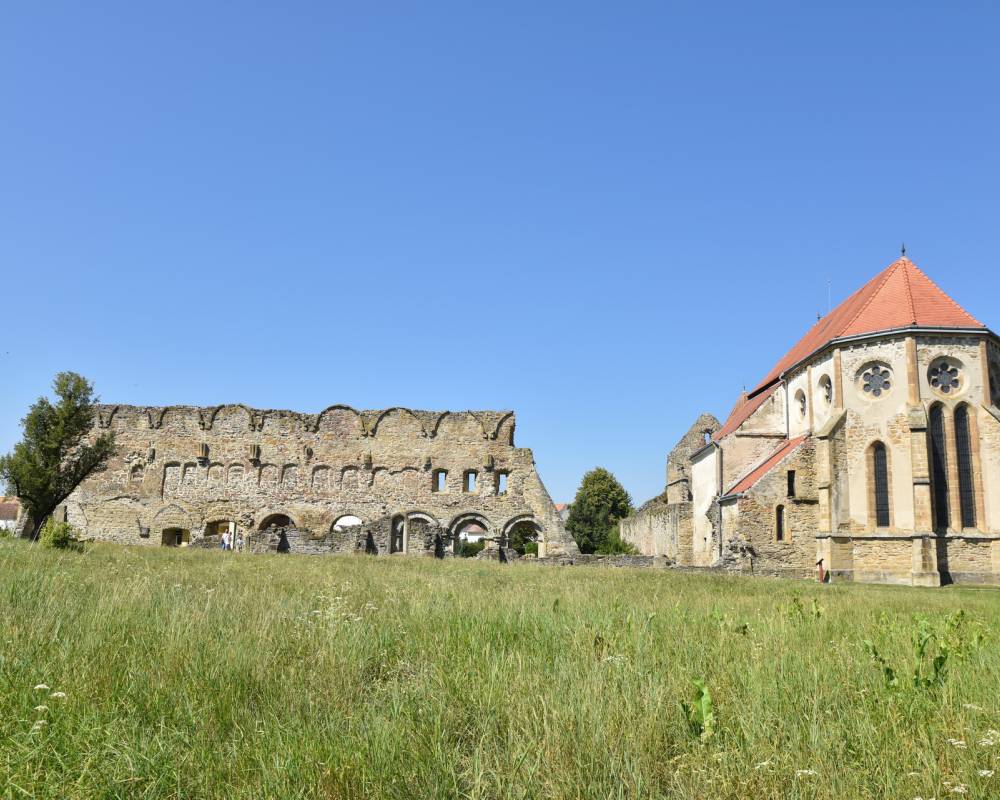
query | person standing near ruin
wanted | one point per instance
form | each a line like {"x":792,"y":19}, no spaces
{"x":226,"y":540}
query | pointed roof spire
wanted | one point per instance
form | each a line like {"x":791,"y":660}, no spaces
{"x":901,"y":296}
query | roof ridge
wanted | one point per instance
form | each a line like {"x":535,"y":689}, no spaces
{"x":909,"y":293}
{"x":888,"y":273}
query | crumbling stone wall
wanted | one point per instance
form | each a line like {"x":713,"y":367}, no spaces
{"x":199,"y":470}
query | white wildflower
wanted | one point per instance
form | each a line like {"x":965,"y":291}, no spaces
{"x":960,"y":788}
{"x":985,"y":773}
{"x":972,"y":707}
{"x":41,"y":709}
{"x":762,"y":764}
{"x":41,"y":687}
{"x":986,"y":742}
{"x":39,"y":724}
{"x":957,"y":743}
{"x":58,"y":695}
{"x":317,"y":611}
{"x":804,"y":773}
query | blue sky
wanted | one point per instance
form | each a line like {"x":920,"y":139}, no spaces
{"x":606,"y":216}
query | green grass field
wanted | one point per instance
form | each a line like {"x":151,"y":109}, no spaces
{"x":204,"y":674}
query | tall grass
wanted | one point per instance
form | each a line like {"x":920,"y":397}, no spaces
{"x":205,"y":674}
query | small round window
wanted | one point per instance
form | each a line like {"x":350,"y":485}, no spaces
{"x":875,"y":380}
{"x":945,"y":376}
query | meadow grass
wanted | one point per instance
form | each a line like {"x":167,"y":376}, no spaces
{"x":203,"y":674}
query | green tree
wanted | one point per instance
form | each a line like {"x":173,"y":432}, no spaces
{"x":601,"y":501}
{"x":54,"y":456}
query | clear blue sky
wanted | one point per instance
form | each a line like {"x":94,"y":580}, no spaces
{"x":606,"y":216}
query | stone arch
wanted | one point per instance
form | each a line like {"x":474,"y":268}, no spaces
{"x":461,"y":520}
{"x":504,"y":430}
{"x":181,"y":418}
{"x":319,"y":480}
{"x":341,"y":420}
{"x":350,"y":477}
{"x":276,"y":519}
{"x":216,"y":474}
{"x":173,"y":515}
{"x":412,"y":422}
{"x":521,"y":519}
{"x":282,"y":423}
{"x":171,"y":478}
{"x":466,"y":425}
{"x":233,"y":412}
{"x":106,"y":415}
{"x":344,"y":521}
{"x":154,"y":416}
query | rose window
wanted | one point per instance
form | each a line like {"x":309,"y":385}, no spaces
{"x":944,"y":377}
{"x":876,"y":380}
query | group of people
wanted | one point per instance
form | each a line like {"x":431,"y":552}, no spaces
{"x":232,"y":541}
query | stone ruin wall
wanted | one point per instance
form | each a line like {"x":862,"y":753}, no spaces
{"x":183,"y":467}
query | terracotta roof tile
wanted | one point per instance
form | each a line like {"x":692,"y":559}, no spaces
{"x":901,"y":296}
{"x":747,"y":482}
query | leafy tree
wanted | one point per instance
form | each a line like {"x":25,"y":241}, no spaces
{"x":601,"y":501}
{"x":54,"y":456}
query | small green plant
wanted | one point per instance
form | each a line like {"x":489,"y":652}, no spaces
{"x":700,"y":713}
{"x":58,"y":536}
{"x":888,"y":673}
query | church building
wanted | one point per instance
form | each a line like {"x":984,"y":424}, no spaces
{"x":870,"y":452}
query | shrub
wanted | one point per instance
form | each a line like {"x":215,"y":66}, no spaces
{"x":58,"y":535}
{"x":470,"y":549}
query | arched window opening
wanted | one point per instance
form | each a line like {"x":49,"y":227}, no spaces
{"x":276,"y":521}
{"x":939,"y":469}
{"x":880,"y":468}
{"x":346,"y":521}
{"x":800,"y":400}
{"x":397,"y":537}
{"x":826,"y":387}
{"x":966,"y":480}
{"x":779,"y":524}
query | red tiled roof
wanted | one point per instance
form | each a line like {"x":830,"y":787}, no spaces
{"x":747,"y":482}
{"x":901,"y":296}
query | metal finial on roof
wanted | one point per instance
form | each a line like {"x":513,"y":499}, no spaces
{"x":902,"y":250}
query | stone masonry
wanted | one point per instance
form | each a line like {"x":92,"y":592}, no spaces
{"x":340,"y":481}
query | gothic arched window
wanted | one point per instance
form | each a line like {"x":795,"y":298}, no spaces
{"x":963,"y":454}
{"x":880,"y":479}
{"x":939,"y":469}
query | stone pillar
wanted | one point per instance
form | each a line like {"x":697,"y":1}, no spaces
{"x":924,"y":571}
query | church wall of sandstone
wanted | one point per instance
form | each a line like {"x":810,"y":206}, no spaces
{"x":312,"y":468}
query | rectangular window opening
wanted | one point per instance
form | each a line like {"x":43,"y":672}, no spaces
{"x":469,"y":484}
{"x":502,"y":482}
{"x":791,"y":483}
{"x":440,"y":483}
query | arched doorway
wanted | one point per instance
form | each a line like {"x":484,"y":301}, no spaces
{"x":524,"y":536}
{"x":470,"y":535}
